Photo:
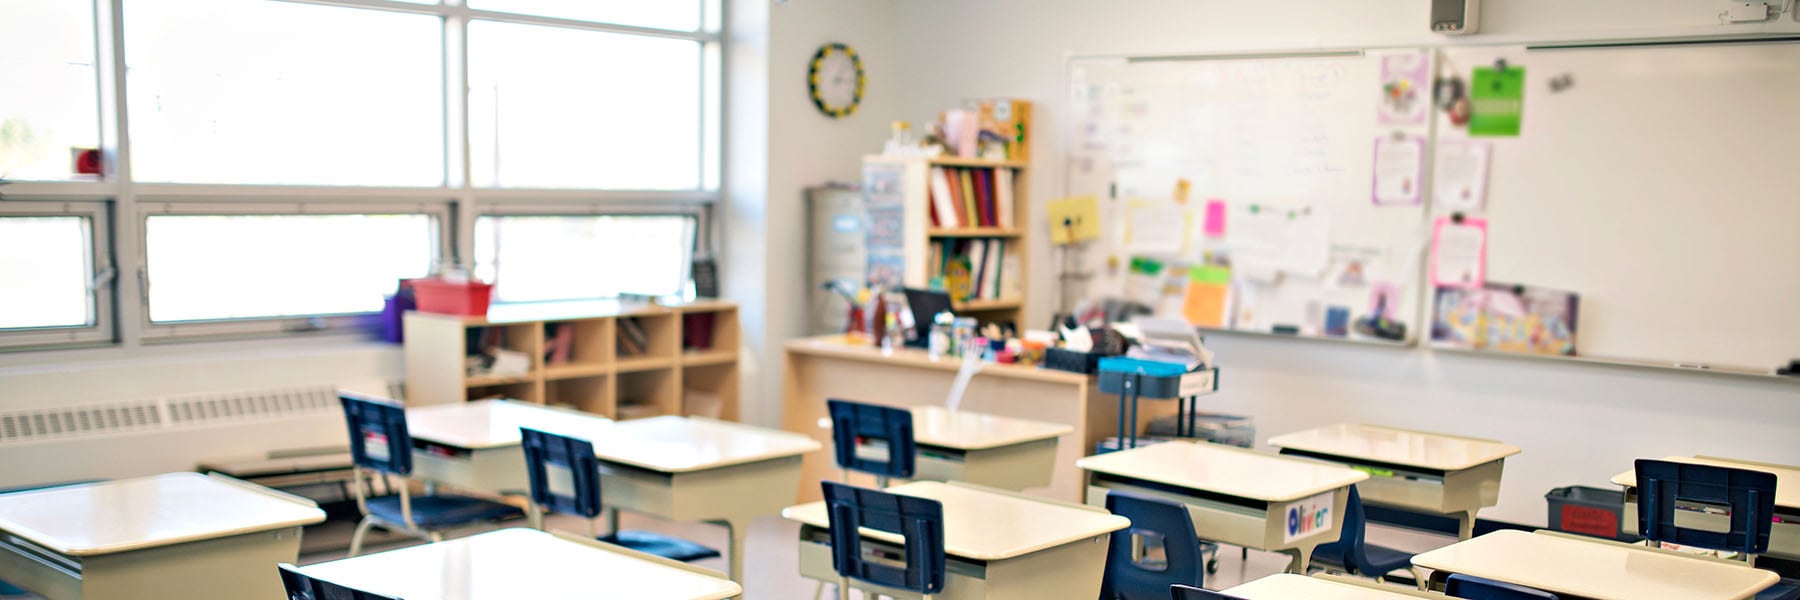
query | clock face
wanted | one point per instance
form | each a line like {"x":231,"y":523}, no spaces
{"x":836,"y":80}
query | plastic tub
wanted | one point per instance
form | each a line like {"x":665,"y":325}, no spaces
{"x":1586,"y":510}
{"x":468,"y":298}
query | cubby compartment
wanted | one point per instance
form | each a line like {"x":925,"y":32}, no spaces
{"x":578,"y":348}
{"x":647,"y":394}
{"x":709,"y":335}
{"x":587,"y":394}
{"x":710,"y":391}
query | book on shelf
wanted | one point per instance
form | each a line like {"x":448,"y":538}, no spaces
{"x":559,"y":342}
{"x":633,"y":340}
{"x":1003,"y":196}
{"x":967,"y":182}
{"x":984,"y":198}
{"x":970,"y":197}
{"x":976,"y":268}
{"x":943,"y":203}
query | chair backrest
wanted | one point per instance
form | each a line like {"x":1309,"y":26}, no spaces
{"x":1682,"y":503}
{"x":378,"y":435}
{"x":1188,"y":592}
{"x":1353,"y":534}
{"x":1476,"y":588}
{"x":301,"y":587}
{"x":852,"y":422}
{"x":1154,"y":522}
{"x":918,"y":521}
{"x":565,"y":474}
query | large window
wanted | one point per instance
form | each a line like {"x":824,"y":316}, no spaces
{"x":239,"y":91}
{"x":214,"y":267}
{"x":561,"y":257}
{"x":49,"y":100}
{"x":274,"y":166}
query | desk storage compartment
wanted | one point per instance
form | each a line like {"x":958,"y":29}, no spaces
{"x":1587,"y":511}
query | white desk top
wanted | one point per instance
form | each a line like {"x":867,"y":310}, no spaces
{"x":1605,"y":571}
{"x":1787,"y":479}
{"x":522,"y":563}
{"x":989,"y":525}
{"x":681,"y":444}
{"x":148,"y":512}
{"x":1397,"y":446}
{"x":1287,"y":586}
{"x":964,"y":430}
{"x":487,"y":424}
{"x":1225,"y":470}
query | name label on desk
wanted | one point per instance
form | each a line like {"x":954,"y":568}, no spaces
{"x":1308,"y":517}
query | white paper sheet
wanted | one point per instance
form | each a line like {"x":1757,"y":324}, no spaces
{"x":1158,"y":228}
{"x":1399,"y":170}
{"x":1460,"y":176}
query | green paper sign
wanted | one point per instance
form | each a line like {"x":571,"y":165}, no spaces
{"x":1496,"y":101}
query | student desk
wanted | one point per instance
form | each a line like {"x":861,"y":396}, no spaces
{"x":520,"y":563}
{"x":998,"y":545}
{"x":817,"y":369}
{"x":1235,"y":496}
{"x":983,"y":449}
{"x":178,"y":535}
{"x":1288,"y":586}
{"x":475,"y":445}
{"x":700,"y":469}
{"x":1599,"y":569}
{"x":1784,"y":534}
{"x":1412,"y":470}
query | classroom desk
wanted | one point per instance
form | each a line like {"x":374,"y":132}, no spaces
{"x":177,"y":535}
{"x":1784,"y":534}
{"x":521,"y":563}
{"x":999,"y":545}
{"x":1599,"y":569}
{"x":1288,"y":586}
{"x":475,"y":445}
{"x":821,"y":368}
{"x":983,"y":449}
{"x":1235,"y":496}
{"x":1411,"y":470}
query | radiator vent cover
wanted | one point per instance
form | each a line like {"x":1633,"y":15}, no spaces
{"x":164,"y":413}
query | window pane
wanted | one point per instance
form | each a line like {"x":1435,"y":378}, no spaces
{"x":681,"y":15}
{"x":205,"y":267}
{"x":46,"y":264}
{"x":535,"y":258}
{"x":49,"y":101}
{"x":609,"y":111}
{"x":254,"y":91}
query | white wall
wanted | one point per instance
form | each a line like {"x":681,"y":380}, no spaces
{"x":1577,"y":423}
{"x":765,"y":262}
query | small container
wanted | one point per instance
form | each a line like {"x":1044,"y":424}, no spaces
{"x":963,"y":333}
{"x":943,"y":330}
{"x":466,"y":298}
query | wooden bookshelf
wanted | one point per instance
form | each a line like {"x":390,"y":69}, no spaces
{"x":621,"y":360}
{"x":921,"y":241}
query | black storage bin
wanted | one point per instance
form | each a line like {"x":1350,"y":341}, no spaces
{"x":1063,"y":359}
{"x":1591,"y":511}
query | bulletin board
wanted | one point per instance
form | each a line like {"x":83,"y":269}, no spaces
{"x":1262,"y":165}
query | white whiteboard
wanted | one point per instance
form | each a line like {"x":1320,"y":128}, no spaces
{"x":1660,"y":186}
{"x":1282,"y":132}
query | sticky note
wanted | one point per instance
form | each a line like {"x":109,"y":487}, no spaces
{"x":1074,"y":219}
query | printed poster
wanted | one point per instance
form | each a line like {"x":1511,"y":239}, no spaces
{"x":1399,"y":170}
{"x":1496,"y":101}
{"x":1459,"y":252}
{"x":1460,"y":176}
{"x":1405,"y":88}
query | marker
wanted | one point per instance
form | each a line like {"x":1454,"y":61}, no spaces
{"x":1691,"y":366}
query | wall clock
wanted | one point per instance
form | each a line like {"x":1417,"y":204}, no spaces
{"x":835,"y":80}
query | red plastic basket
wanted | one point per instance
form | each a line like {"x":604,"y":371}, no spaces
{"x":452,"y":298}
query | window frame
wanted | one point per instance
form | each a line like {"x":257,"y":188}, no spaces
{"x":121,"y":204}
{"x":155,"y":332}
{"x":101,"y":286}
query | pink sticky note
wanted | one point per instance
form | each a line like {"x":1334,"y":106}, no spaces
{"x":1215,"y":218}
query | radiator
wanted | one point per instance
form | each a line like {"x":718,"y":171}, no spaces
{"x":163,"y":434}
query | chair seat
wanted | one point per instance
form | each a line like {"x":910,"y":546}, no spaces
{"x":1786,"y":589}
{"x":1383,"y":559}
{"x":432,"y":512}
{"x":8,"y":590}
{"x":670,"y":547}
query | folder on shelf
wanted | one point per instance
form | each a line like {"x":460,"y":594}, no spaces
{"x":1003,"y":196}
{"x":977,"y":267}
{"x":984,"y":197}
{"x":967,"y":182}
{"x":943,"y":203}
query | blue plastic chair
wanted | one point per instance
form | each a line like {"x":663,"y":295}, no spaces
{"x":918,"y":521}
{"x":552,"y":459}
{"x":1476,"y":588}
{"x":301,"y":587}
{"x":1129,"y":575}
{"x":1749,"y":494}
{"x":379,"y":442}
{"x":1353,"y":553}
{"x":1183,"y":592}
{"x":854,"y":422}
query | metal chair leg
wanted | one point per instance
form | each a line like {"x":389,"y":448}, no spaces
{"x":819,"y":591}
{"x":435,"y":536}
{"x":843,"y":589}
{"x":356,"y":539}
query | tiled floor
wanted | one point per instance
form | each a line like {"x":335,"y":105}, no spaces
{"x":771,"y":561}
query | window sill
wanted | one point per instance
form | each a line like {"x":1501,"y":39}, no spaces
{"x":48,"y":361}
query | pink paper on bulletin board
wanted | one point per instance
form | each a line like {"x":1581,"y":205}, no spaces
{"x":1459,"y":252}
{"x":1215,"y":218}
